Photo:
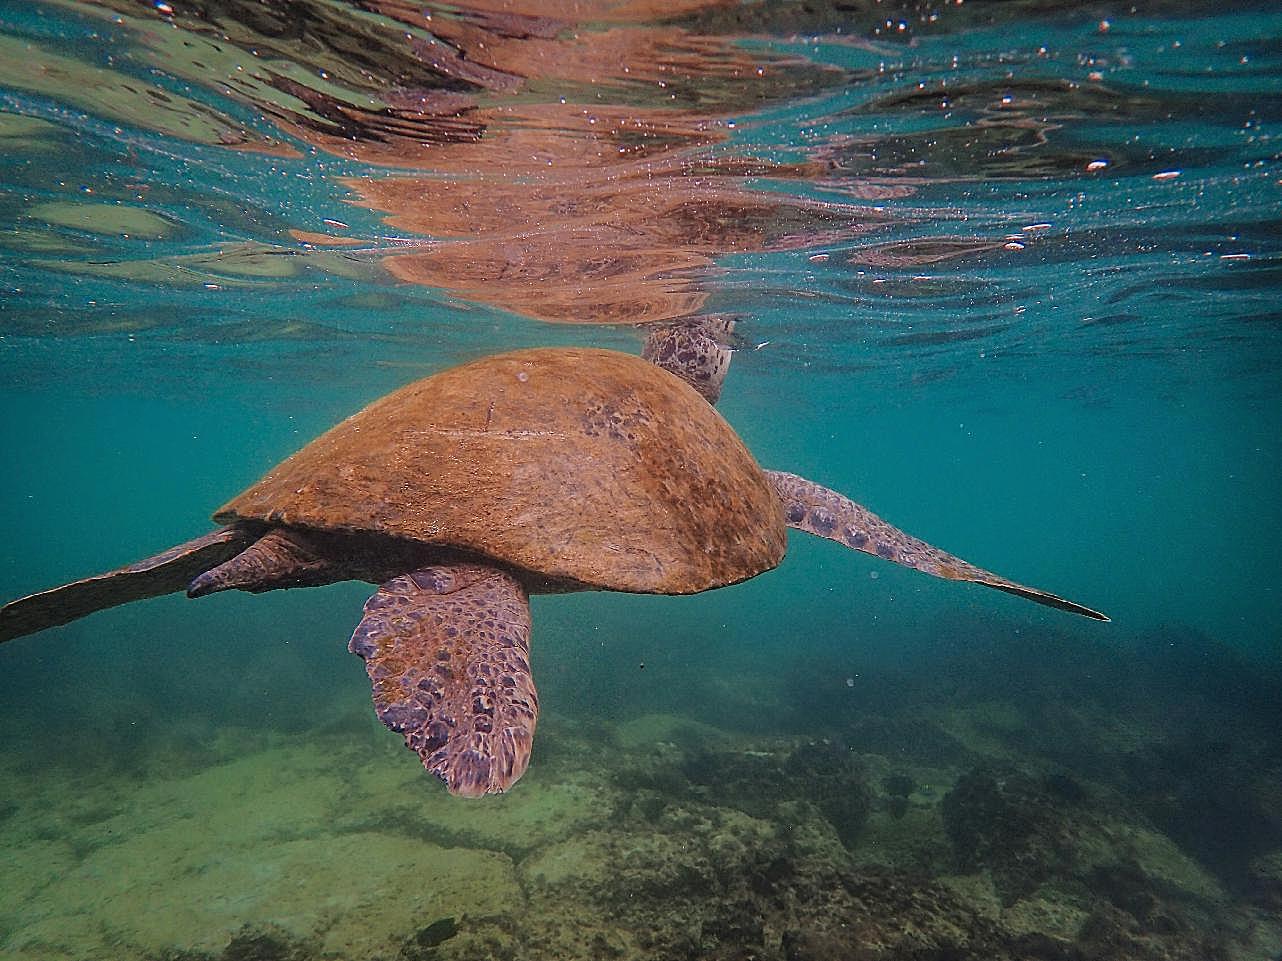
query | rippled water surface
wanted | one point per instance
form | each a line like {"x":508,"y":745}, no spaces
{"x":1006,"y":272}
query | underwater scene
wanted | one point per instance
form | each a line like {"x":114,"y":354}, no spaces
{"x":1004,"y":274}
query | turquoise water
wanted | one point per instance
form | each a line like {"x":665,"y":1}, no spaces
{"x":1007,"y":274}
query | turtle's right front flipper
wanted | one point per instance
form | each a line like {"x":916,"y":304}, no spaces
{"x":164,"y":573}
{"x":447,"y":650}
{"x":817,"y":510}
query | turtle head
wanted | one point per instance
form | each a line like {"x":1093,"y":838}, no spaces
{"x":696,"y":349}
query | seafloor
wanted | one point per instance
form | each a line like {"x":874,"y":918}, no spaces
{"x":1006,"y":800}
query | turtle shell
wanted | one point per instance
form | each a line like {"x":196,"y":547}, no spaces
{"x":589,"y":467}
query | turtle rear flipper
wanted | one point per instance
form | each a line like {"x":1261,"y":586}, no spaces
{"x":817,"y":510}
{"x":447,"y":650}
{"x":165,"y":573}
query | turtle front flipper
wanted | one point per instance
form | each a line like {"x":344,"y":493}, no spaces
{"x":817,"y":510}
{"x":447,"y":650}
{"x":165,"y":573}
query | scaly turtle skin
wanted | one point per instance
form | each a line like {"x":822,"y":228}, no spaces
{"x":542,"y":470}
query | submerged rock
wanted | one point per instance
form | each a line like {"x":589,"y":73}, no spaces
{"x":1006,"y":823}
{"x":835,"y":779}
{"x":1266,"y":880}
{"x":252,"y":945}
{"x":1220,"y":801}
{"x":421,"y":946}
{"x":898,"y":787}
{"x":1111,"y":934}
{"x":661,"y":841}
{"x":821,"y":774}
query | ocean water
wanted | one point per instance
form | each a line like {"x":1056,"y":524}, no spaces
{"x":1006,"y":273}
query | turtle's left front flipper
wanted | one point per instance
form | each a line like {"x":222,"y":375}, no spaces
{"x":165,"y":573}
{"x":817,"y":510}
{"x":447,"y":650}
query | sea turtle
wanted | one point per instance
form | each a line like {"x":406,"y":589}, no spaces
{"x":544,"y":470}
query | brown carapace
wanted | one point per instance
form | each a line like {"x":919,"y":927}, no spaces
{"x":545,"y":470}
{"x":587,"y":468}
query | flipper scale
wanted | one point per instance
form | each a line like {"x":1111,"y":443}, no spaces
{"x":447,"y":651}
{"x":817,"y":510}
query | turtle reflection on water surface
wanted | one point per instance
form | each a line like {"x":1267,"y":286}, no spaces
{"x":545,"y":470}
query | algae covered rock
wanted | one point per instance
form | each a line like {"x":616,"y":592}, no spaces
{"x":1266,"y":880}
{"x":822,"y":775}
{"x":837,"y":785}
{"x":1009,"y":824}
{"x":886,"y":915}
{"x":696,"y":882}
